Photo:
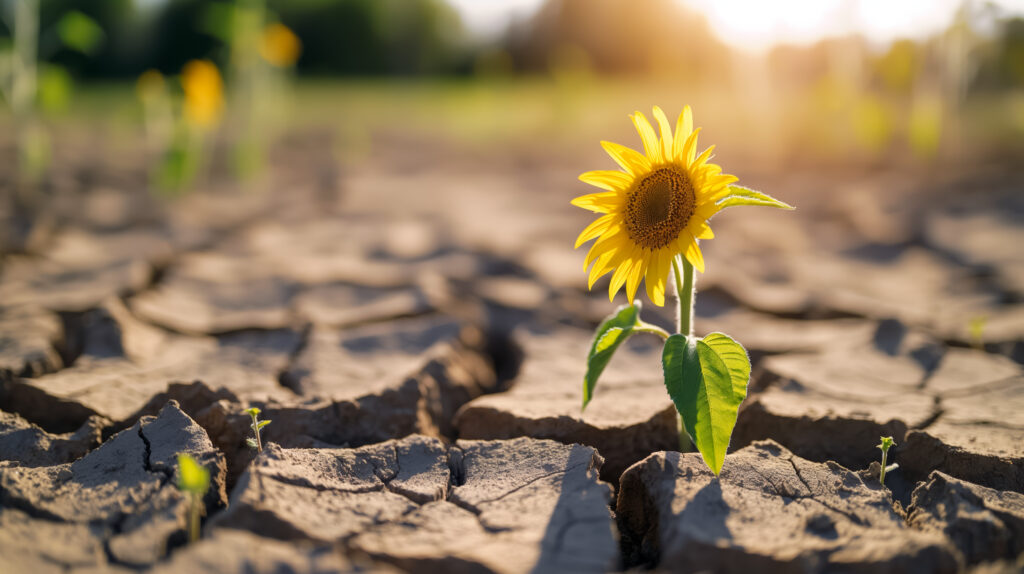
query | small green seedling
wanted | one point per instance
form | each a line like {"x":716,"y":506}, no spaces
{"x":194,"y":481}
{"x":884,"y":446}
{"x":976,"y":331}
{"x":257,"y":425}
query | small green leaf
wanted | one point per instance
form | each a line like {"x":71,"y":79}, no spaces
{"x":739,"y":195}
{"x":262,"y":424}
{"x":80,"y":32}
{"x":609,"y":335}
{"x":886,"y":444}
{"x":252,"y":443}
{"x":217,"y":19}
{"x":707,"y":381}
{"x":253,"y":411}
{"x":53,"y":89}
{"x":192,"y":477}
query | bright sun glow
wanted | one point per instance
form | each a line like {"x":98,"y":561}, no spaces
{"x":756,"y":25}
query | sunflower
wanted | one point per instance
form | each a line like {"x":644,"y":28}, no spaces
{"x":204,"y":93}
{"x":656,"y":208}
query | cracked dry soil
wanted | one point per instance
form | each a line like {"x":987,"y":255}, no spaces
{"x":422,"y":375}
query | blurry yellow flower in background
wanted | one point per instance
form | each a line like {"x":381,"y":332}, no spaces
{"x":279,"y":46}
{"x":204,"y":93}
{"x":657,"y":207}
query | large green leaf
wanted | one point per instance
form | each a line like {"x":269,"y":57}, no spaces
{"x":609,"y":335}
{"x":707,"y":381}
{"x":735,"y":358}
{"x":739,"y":195}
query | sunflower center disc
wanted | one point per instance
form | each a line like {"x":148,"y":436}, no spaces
{"x":659,"y":207}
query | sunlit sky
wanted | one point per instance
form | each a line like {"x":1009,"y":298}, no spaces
{"x":758,"y":24}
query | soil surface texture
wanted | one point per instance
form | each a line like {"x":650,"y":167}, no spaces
{"x":415,"y":328}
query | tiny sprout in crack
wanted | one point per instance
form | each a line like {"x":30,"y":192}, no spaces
{"x":194,"y":481}
{"x":256,"y":426}
{"x":884,"y":446}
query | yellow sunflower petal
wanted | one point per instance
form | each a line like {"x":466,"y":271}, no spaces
{"x":703,"y":173}
{"x":716,"y":194}
{"x":636,"y":273}
{"x":664,"y":269}
{"x":706,"y":210}
{"x":721,"y":181}
{"x":620,"y":275}
{"x":704,"y":156}
{"x":631,"y":160}
{"x":655,"y":280}
{"x":596,"y":227}
{"x":652,"y":147}
{"x":598,"y":202}
{"x":689,"y":148}
{"x":692,"y":252}
{"x":684,"y":127}
{"x":666,"y":133}
{"x":604,"y":265}
{"x":704,"y":231}
{"x":712,"y":170}
{"x":610,"y":179}
{"x":609,"y":241}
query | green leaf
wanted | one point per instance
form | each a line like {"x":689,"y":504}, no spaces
{"x":262,"y":424}
{"x":886,"y":443}
{"x":179,"y":165}
{"x":707,"y":380}
{"x":739,"y":195}
{"x":253,"y":411}
{"x":217,"y":19}
{"x":609,"y":335}
{"x":80,"y":32}
{"x":252,"y":443}
{"x":192,"y":477}
{"x":735,"y":358}
{"x":53,"y":88}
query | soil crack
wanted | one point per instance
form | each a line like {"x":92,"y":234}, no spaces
{"x":813,"y":496}
{"x":284,"y":377}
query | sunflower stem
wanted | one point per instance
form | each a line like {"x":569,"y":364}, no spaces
{"x":685,"y":276}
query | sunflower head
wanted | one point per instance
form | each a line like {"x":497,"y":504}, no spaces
{"x":279,"y":46}
{"x":204,"y":93}
{"x":655,"y":208}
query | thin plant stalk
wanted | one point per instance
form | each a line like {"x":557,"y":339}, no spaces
{"x":884,"y":446}
{"x":23,"y":85}
{"x":256,"y":431}
{"x":685,"y":276}
{"x":685,"y":280}
{"x":193,"y":515}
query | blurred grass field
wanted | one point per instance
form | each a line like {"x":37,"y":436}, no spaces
{"x":823,"y":127}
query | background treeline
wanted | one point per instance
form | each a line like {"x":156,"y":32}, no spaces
{"x":425,"y":37}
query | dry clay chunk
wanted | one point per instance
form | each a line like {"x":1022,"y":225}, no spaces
{"x":28,"y":340}
{"x":822,"y":405}
{"x":630,"y":416}
{"x":984,"y":524}
{"x":28,"y":445}
{"x":494,"y":506}
{"x":229,"y":551}
{"x":769,"y":511}
{"x":123,"y":494}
